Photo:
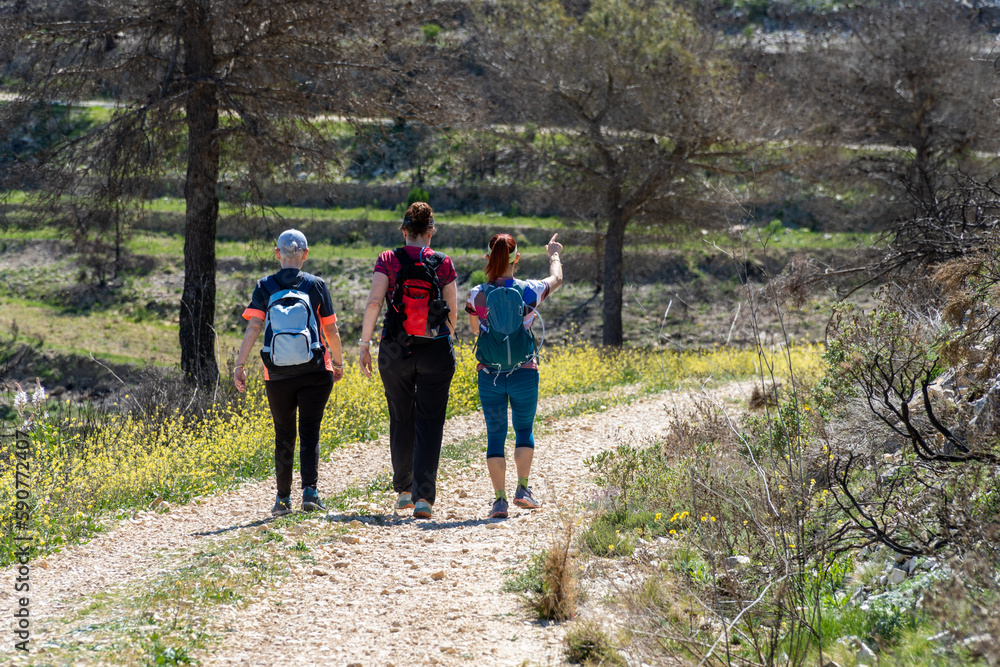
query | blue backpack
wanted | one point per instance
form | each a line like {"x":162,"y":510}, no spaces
{"x":504,"y":344}
{"x":292,"y":343}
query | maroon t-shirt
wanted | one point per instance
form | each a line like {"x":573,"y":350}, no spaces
{"x":388,"y":264}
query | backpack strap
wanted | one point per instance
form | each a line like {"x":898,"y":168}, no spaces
{"x":305,"y":284}
{"x":403,"y":257}
{"x":270,"y":285}
{"x":432,"y":262}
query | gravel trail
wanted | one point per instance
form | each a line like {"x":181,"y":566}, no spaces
{"x":395,"y":590}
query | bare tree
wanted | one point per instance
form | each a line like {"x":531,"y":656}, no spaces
{"x":226,"y":93}
{"x":913,"y":88}
{"x":640,"y":103}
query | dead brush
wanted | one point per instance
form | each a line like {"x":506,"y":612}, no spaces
{"x":693,"y":427}
{"x":764,"y":395}
{"x":966,"y":604}
{"x":559,"y":595}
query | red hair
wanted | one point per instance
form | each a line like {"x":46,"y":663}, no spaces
{"x":501,"y":246}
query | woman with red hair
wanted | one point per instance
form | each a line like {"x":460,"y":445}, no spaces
{"x":508,"y":368}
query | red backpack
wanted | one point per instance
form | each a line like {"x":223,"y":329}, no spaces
{"x":416,"y":308}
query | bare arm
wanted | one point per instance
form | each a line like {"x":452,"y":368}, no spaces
{"x":254,"y":328}
{"x":474,"y":323}
{"x":555,"y":279}
{"x":332,"y":335}
{"x":450,"y":294}
{"x":380,"y":286}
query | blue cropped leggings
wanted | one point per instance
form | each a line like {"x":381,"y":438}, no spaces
{"x":518,"y":388}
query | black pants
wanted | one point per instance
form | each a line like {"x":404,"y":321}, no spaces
{"x":416,"y":388}
{"x":309,"y":393}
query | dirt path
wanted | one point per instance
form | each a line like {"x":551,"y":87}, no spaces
{"x":378,"y":589}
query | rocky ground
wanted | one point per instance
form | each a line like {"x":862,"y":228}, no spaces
{"x":360,"y":585}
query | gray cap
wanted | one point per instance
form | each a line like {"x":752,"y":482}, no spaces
{"x":291,"y":240}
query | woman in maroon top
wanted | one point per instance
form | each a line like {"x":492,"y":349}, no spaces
{"x":416,"y":370}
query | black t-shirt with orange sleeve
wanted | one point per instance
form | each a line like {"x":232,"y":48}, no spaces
{"x":319,"y":297}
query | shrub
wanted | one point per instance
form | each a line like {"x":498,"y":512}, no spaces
{"x":478,"y":277}
{"x":588,"y":644}
{"x":416,"y":194}
{"x":527,"y":579}
{"x":431,"y":32}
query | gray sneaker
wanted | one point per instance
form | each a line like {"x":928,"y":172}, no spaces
{"x":499,"y":510}
{"x":282,"y":506}
{"x":524,"y":498}
{"x":311,"y":501}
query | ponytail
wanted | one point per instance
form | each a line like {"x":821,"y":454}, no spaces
{"x":502,"y":251}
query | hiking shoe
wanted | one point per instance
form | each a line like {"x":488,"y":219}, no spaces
{"x":499,"y":510}
{"x":422,"y":510}
{"x":523,"y":498}
{"x":404,"y":501}
{"x":282,"y":506}
{"x":311,"y":501}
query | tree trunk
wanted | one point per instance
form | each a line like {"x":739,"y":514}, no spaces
{"x":197,"y":315}
{"x":614,"y":257}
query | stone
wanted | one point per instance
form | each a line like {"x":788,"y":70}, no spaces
{"x":438,"y":576}
{"x":986,"y":411}
{"x":350,"y":539}
{"x":866,"y":655}
{"x":462,"y":493}
{"x":897,"y":576}
{"x":980,"y":645}
{"x":831,"y":663}
{"x":341,"y":563}
{"x":944,"y":637}
{"x":737,"y":561}
{"x":319,"y":572}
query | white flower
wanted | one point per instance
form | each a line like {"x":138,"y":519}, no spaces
{"x":39,"y":396}
{"x":20,"y":398}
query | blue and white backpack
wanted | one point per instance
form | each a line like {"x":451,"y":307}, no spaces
{"x":292,"y":343}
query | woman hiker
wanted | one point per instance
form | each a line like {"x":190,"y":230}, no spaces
{"x":292,"y":307}
{"x":502,"y":311}
{"x":416,"y":359}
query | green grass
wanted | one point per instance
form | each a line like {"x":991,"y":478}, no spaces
{"x":291,"y":214}
{"x":107,"y":335}
{"x":775,"y":236}
{"x":526,"y":578}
